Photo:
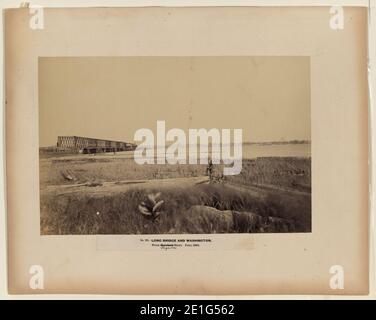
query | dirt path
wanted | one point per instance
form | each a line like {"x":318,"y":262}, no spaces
{"x":125,"y":185}
{"x":122,"y":186}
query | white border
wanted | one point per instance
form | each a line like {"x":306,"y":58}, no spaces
{"x":179,"y":3}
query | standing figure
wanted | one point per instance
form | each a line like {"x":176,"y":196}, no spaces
{"x":209,"y":170}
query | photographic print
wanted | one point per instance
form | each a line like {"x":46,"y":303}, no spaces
{"x":174,"y":145}
{"x":226,"y":147}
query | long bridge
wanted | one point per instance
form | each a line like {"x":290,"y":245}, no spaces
{"x":92,"y":145}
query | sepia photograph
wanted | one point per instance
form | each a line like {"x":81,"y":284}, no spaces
{"x":201,"y":151}
{"x":174,"y":145}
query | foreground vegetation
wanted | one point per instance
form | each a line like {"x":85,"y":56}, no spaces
{"x":78,"y":213}
{"x":270,"y":195}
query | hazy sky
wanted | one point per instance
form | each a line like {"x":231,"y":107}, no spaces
{"x":112,"y":97}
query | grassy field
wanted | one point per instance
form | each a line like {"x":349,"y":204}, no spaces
{"x":268,"y":191}
{"x":287,"y":172}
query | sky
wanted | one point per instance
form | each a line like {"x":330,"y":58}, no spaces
{"x":112,"y":97}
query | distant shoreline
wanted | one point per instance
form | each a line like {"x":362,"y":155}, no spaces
{"x":266,"y":143}
{"x":278,"y":142}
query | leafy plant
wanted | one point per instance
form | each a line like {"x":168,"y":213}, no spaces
{"x":151,"y":208}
